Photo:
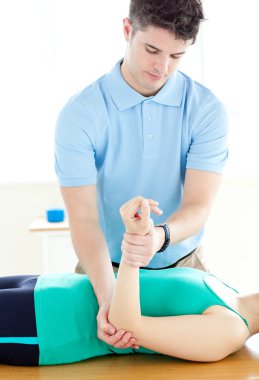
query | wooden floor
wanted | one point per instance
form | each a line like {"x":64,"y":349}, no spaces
{"x":243,"y":365}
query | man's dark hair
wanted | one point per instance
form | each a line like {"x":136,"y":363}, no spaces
{"x":181,"y":17}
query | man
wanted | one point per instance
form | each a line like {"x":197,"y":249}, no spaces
{"x":143,"y":129}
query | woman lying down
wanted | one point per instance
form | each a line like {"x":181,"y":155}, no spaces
{"x":180,"y":312}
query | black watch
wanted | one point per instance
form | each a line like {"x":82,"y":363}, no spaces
{"x":167,"y":237}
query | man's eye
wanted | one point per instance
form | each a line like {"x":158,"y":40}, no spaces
{"x":151,"y":51}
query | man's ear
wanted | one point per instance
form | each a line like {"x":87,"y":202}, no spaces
{"x":127,"y":28}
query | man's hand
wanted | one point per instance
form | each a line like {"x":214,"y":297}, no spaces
{"x":139,"y":250}
{"x":108,"y":333}
{"x":141,"y":240}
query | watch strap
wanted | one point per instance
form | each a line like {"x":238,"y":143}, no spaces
{"x":167,"y":236}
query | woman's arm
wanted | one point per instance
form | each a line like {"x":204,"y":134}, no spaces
{"x":207,"y":337}
{"x":125,"y":306}
{"x":125,"y":310}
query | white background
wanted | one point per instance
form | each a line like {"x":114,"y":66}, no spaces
{"x":52,"y":49}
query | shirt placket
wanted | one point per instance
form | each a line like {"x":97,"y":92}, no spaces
{"x":148,"y":129}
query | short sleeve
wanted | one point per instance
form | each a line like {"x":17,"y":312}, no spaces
{"x":74,"y":146}
{"x":209,"y":137}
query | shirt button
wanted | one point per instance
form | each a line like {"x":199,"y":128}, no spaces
{"x":149,"y":137}
{"x":149,"y":118}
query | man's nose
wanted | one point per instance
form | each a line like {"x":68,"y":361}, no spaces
{"x":161,"y":66}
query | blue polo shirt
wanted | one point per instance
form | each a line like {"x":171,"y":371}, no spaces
{"x":130,"y":145}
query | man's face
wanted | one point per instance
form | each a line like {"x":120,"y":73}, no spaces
{"x":152,"y":56}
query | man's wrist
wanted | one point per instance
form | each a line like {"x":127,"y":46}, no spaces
{"x":161,"y":237}
{"x":166,"y":237}
{"x":104,"y":293}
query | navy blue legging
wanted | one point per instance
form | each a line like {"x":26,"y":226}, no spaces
{"x":17,"y":319}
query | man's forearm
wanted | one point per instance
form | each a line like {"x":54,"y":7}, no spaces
{"x":93,"y":254}
{"x":186,"y":222}
{"x":200,"y":190}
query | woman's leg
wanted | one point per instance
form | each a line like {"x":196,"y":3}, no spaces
{"x":18,"y":333}
{"x":208,"y":337}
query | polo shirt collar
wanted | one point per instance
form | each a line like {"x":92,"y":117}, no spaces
{"x":126,"y":97}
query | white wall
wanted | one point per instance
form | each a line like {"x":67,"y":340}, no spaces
{"x":50,"y":49}
{"x":20,"y":205}
{"x":232,"y":233}
{"x":230,"y":68}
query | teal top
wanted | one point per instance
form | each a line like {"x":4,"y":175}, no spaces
{"x":66,"y":309}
